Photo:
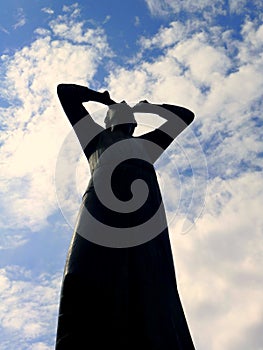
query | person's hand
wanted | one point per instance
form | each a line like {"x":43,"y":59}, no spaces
{"x":105,"y":98}
{"x":140,"y":106}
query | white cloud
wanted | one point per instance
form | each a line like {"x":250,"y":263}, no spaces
{"x":35,"y":123}
{"x":209,"y":9}
{"x":245,"y":6}
{"x":219,"y":265}
{"x":47,"y":10}
{"x":8,"y":241}
{"x":42,"y":31}
{"x":4,"y":30}
{"x":107,"y":19}
{"x":251,"y":47}
{"x":39,"y":346}
{"x":166,"y":7}
{"x":166,"y":36}
{"x":218,"y":262}
{"x":237,"y":6}
{"x":200,"y":73}
{"x":20,"y":18}
{"x":73,"y":9}
{"x":28,"y":309}
{"x":137,"y":21}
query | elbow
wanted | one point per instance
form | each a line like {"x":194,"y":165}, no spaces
{"x":61,"y":89}
{"x":65,"y":91}
{"x":186,"y":115}
{"x":190,"y":117}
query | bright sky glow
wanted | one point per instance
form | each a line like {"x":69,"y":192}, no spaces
{"x":206,"y":55}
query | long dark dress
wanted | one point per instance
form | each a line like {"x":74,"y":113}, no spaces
{"x":121,"y":298}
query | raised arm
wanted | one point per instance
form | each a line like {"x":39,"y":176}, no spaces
{"x":177,"y":119}
{"x":71,"y":97}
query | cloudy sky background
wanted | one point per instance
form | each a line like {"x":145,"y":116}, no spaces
{"x":207,"y":56}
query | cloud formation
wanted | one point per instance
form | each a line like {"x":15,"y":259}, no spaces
{"x":212,"y":70}
{"x":20,"y":18}
{"x":219,"y":266}
{"x":218,"y":261}
{"x":205,"y":8}
{"x":34,"y":116}
{"x":28,"y":309}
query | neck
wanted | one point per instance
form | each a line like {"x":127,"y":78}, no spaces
{"x":121,"y":133}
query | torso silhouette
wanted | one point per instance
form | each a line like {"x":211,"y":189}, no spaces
{"x":121,"y":298}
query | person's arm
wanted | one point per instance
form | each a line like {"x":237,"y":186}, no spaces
{"x":177,"y":119}
{"x":71,"y":97}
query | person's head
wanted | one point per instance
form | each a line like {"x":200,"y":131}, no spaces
{"x":120,"y":117}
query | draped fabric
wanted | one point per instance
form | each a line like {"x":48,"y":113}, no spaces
{"x":121,"y":298}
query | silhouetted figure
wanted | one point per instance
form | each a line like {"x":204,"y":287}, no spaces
{"x":121,"y":294}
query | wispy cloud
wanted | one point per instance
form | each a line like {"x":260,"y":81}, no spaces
{"x":107,"y":19}
{"x":204,"y":8}
{"x":47,"y":10}
{"x":8,"y":241}
{"x":218,"y":266}
{"x":137,"y":21}
{"x":218,"y":261}
{"x":35,"y":116}
{"x":28,"y":309}
{"x":4,"y":30}
{"x":166,"y":7}
{"x":20,"y":18}
{"x":208,"y":69}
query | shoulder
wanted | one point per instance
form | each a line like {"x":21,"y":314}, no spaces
{"x":95,"y":143}
{"x":158,"y":137}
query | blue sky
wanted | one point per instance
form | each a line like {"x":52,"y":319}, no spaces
{"x":207,"y":56}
